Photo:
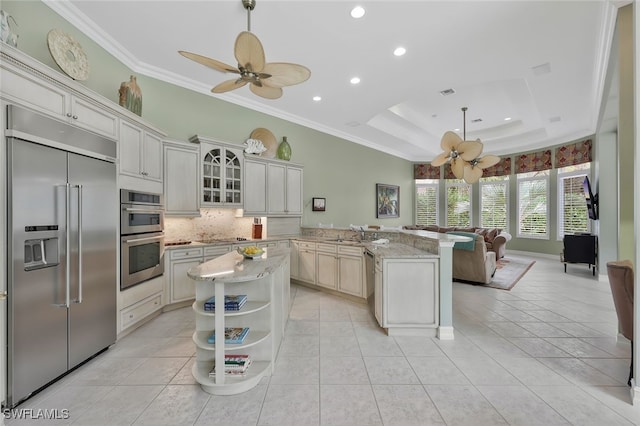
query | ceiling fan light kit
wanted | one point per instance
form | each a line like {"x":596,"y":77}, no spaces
{"x":265,"y":79}
{"x":464,"y":155}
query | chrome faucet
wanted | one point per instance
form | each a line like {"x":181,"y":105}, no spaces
{"x":362,"y":235}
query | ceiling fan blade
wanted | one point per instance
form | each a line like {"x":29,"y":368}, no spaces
{"x":249,"y":52}
{"x":450,"y":141}
{"x":487,"y":161}
{"x":211,"y":63}
{"x":440,"y":159}
{"x":266,"y":91}
{"x":285,"y":74}
{"x":228,"y":85}
{"x":457,"y":167}
{"x":470,"y":150}
{"x":472,"y":174}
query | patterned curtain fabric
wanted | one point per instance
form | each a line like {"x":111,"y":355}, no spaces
{"x":448,"y":173}
{"x":533,"y":162}
{"x":576,"y":153}
{"x":425,"y":171}
{"x":503,"y":168}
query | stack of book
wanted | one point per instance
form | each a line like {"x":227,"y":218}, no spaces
{"x":231,"y":335}
{"x":232,"y":302}
{"x":236,"y":364}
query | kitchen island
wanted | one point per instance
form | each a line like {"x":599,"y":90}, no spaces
{"x":264,"y":281}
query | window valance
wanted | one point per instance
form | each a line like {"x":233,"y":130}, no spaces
{"x":575,"y":153}
{"x":425,"y":171}
{"x":503,"y":168}
{"x":533,"y":162}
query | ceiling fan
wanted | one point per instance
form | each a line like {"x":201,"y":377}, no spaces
{"x":264,"y":79}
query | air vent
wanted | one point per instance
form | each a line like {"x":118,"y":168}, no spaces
{"x":554,"y":119}
{"x":476,"y":120}
{"x":542,"y":69}
{"x":447,"y":92}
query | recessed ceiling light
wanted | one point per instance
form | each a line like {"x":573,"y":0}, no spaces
{"x":355,"y":80}
{"x":357,"y":12}
{"x":317,"y":98}
{"x":507,"y":118}
{"x":400,"y":51}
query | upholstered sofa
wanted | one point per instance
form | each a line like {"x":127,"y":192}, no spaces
{"x":471,"y":260}
{"x":494,"y":238}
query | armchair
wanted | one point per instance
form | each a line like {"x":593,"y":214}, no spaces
{"x":621,"y":281}
{"x":477,"y":265}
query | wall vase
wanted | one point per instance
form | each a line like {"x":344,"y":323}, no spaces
{"x":284,"y":149}
{"x":131,"y":96}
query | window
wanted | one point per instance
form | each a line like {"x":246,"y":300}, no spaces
{"x":426,"y":202}
{"x":458,"y":203}
{"x":572,"y":207}
{"x":533,"y":206}
{"x":494,"y":202}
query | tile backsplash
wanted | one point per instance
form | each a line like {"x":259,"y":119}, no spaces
{"x":213,"y":223}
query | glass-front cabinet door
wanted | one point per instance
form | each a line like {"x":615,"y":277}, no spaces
{"x":221,"y":176}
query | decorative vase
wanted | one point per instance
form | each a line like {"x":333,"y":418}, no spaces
{"x":131,"y":96}
{"x":284,"y":150}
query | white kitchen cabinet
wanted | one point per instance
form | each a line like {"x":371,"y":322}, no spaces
{"x":211,"y":252}
{"x":180,"y":287}
{"x":273,"y":188}
{"x":221,"y":173}
{"x":408,"y":294}
{"x":140,"y":152}
{"x":326,"y":265}
{"x":139,"y":303}
{"x":377,"y":292}
{"x":307,"y":262}
{"x":181,"y":165}
{"x":351,"y":270}
{"x":45,"y":97}
{"x":295,"y":269}
{"x":255,"y":194}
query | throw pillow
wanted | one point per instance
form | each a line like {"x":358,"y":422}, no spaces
{"x":492,"y":234}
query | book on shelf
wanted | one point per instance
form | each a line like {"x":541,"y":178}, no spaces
{"x":233,"y":364}
{"x":232,"y":302}
{"x":232,"y":335}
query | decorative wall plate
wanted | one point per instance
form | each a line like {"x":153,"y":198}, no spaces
{"x":68,"y":54}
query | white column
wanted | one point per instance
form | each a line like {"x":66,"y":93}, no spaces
{"x":445,"y":329}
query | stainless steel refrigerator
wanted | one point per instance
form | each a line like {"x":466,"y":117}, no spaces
{"x":62,"y":216}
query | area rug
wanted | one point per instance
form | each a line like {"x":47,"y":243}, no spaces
{"x":508,"y":272}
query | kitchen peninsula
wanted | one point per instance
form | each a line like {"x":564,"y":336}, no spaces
{"x":407,"y":280}
{"x":264,"y":280}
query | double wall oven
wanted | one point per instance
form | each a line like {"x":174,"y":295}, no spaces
{"x":141,"y":237}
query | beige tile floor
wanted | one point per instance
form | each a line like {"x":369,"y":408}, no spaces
{"x":544,"y":353}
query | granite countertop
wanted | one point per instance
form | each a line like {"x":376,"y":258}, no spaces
{"x":397,"y":250}
{"x":234,"y":267}
{"x":170,"y":245}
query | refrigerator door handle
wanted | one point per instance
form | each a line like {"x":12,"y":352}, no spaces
{"x":79,"y":300}
{"x":67,"y":219}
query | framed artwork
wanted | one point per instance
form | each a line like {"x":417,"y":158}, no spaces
{"x":318,"y":204}
{"x":387,"y":201}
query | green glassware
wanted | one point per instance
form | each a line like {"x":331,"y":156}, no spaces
{"x":284,"y":150}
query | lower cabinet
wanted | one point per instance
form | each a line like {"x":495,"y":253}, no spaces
{"x":351,"y":270}
{"x":307,"y":262}
{"x":139,"y":303}
{"x":406,"y":295}
{"x":326,"y":265}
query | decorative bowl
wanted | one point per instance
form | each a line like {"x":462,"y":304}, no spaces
{"x":251,"y":252}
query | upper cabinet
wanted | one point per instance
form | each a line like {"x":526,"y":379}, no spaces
{"x":43,"y":96}
{"x":273,"y":187}
{"x":140,"y":153}
{"x":181,"y":165}
{"x":221,"y":173}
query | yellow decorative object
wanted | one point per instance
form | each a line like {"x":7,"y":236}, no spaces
{"x":131,"y":96}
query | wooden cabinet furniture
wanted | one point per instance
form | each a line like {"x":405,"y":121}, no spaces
{"x":221,"y":173}
{"x":273,"y":187}
{"x":306,"y":262}
{"x":326,"y":265}
{"x":140,"y":303}
{"x":180,"y":287}
{"x":351,"y":276}
{"x":265,"y":282}
{"x":407,"y":295}
{"x":580,"y":248}
{"x":181,"y":165}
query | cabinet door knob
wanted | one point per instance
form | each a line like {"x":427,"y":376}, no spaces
{"x":69,"y":114}
{"x":75,"y":117}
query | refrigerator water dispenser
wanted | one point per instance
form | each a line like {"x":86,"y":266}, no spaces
{"x":41,"y":253}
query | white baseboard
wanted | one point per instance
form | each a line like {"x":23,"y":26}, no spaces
{"x":445,"y":333}
{"x":532,"y":254}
